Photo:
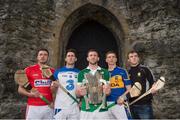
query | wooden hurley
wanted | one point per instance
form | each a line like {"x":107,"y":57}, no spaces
{"x":46,"y":71}
{"x":156,"y":86}
{"x":21,"y":79}
{"x":135,"y":90}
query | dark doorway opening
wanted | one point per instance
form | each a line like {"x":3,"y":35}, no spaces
{"x":92,"y":35}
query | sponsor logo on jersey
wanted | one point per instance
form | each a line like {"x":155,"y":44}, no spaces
{"x":64,"y":75}
{"x":116,"y":82}
{"x":42,"y":83}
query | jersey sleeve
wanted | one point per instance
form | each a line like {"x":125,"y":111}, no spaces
{"x":52,"y":70}
{"x":56,"y":74}
{"x":126,"y":78}
{"x":27,"y":72}
{"x":149,"y":76}
{"x":80,"y":76}
{"x":106,"y":75}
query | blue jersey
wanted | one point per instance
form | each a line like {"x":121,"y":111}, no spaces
{"x":67,"y":77}
{"x":118,"y":82}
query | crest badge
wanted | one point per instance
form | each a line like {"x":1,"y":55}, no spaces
{"x":139,"y":74}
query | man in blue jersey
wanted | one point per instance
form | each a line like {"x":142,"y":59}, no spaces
{"x":65,"y":107}
{"x":119,"y":83}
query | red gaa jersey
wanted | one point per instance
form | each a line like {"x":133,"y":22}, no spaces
{"x":37,"y":81}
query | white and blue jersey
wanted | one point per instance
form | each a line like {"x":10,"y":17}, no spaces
{"x":67,"y":77}
{"x":118,"y":82}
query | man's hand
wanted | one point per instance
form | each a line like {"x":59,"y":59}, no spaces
{"x":120,"y":100}
{"x":34,"y":93}
{"x":51,"y":105}
{"x":106,"y":89}
{"x":153,"y":90}
{"x":54,"y":86}
{"x":81,"y":91}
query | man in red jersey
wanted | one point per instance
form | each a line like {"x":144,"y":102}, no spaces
{"x":36,"y":107}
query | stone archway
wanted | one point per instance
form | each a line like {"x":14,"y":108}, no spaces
{"x":91,"y":35}
{"x":96,"y":13}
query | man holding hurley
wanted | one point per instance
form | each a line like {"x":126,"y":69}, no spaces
{"x":66,"y":104}
{"x":142,"y":109}
{"x":36,"y":107}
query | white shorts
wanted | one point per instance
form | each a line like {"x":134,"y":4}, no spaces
{"x":96,"y":115}
{"x":72,"y":113}
{"x":118,"y":112}
{"x":39,"y":112}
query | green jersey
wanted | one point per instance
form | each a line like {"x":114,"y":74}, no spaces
{"x":105,"y":75}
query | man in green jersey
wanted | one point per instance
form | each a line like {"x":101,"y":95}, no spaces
{"x":93,"y":111}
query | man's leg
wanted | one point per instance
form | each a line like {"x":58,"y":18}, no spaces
{"x":86,"y":115}
{"x":60,"y":114}
{"x":142,"y":112}
{"x":146,"y":112}
{"x":39,"y":112}
{"x":47,"y":112}
{"x":118,"y":112}
{"x":101,"y":115}
{"x":74,"y":113}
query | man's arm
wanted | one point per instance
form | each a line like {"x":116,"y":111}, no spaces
{"x":150,"y":77}
{"x":54,"y":86}
{"x":24,"y":92}
{"x":128,"y":86}
{"x":123,"y":96}
{"x":106,"y":87}
{"x":81,"y":91}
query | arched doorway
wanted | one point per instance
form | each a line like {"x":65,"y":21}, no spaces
{"x":91,"y":35}
{"x":90,"y":15}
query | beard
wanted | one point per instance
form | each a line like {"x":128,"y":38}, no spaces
{"x":42,"y":61}
{"x":93,"y":63}
{"x":70,"y":63}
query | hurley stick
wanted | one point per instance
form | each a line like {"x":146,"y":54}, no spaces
{"x":156,"y":86}
{"x":21,"y":79}
{"x":134,"y":91}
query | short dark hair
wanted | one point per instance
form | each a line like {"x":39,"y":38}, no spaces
{"x":132,"y":51}
{"x":92,"y":50}
{"x":71,"y":50}
{"x":111,"y":52}
{"x":42,"y":49}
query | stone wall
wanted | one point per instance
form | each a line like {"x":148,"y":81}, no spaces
{"x":150,"y":26}
{"x":155,"y":26}
{"x":23,"y":29}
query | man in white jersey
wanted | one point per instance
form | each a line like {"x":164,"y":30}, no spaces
{"x":65,"y":107}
